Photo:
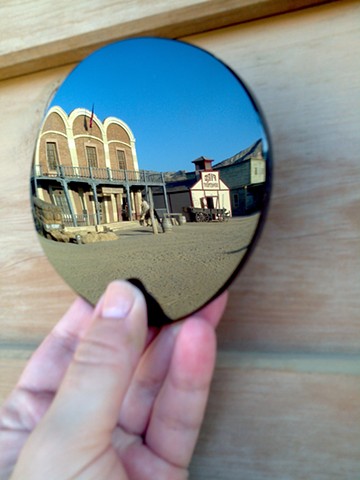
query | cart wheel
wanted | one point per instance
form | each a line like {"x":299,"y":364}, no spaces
{"x":200,"y":217}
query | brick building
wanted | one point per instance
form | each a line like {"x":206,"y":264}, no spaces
{"x":89,"y":168}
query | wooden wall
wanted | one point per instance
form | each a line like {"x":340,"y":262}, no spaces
{"x":285,"y":402}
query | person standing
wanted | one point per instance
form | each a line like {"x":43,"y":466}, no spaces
{"x":145,"y":213}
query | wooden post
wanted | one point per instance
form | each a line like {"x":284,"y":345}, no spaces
{"x":151,"y":204}
{"x":165,"y":194}
{"x":128,"y":198}
{"x":97,"y":211}
{"x":68,"y":200}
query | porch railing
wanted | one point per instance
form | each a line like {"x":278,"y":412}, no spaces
{"x":81,"y":220}
{"x":94,"y":173}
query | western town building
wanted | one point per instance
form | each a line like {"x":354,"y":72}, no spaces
{"x":89,"y":168}
{"x":199,"y":189}
{"x":236,"y":184}
{"x":245,"y":175}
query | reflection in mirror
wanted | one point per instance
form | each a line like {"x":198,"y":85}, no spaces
{"x":152,"y":163}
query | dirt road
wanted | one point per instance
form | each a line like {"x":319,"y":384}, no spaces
{"x":182,"y":268}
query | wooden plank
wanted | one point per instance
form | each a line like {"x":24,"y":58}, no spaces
{"x":41,"y":35}
{"x":285,"y":422}
{"x":282,"y":415}
{"x":27,"y":279}
{"x":299,"y":290}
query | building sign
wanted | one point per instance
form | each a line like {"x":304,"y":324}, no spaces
{"x":210,"y":180}
{"x":109,"y":190}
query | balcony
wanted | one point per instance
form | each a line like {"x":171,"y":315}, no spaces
{"x":99,"y":175}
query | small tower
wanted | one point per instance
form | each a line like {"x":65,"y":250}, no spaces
{"x":202,"y":164}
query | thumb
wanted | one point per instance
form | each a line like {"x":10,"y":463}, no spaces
{"x":89,"y":399}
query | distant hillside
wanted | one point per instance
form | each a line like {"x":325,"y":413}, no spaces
{"x":175,"y":176}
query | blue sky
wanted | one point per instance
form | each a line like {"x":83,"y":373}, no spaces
{"x":179,"y":101}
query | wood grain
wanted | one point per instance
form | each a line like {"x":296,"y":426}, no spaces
{"x":41,"y":35}
{"x":285,"y":399}
{"x":299,"y":290}
{"x":280,"y":423}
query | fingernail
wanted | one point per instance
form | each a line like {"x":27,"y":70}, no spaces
{"x":118,"y":300}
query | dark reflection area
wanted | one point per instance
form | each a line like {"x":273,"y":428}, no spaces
{"x":156,"y":315}
{"x":123,"y":190}
{"x":232,"y":252}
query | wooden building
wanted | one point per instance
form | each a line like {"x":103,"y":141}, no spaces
{"x":236,"y":184}
{"x":202,"y":188}
{"x":245,"y":175}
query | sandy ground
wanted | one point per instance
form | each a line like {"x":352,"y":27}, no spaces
{"x":182,"y":268}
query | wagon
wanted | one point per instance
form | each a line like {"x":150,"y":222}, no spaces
{"x":206,"y":214}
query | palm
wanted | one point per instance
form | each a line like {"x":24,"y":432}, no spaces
{"x":155,"y":430}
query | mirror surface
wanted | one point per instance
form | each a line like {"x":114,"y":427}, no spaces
{"x":152,"y":163}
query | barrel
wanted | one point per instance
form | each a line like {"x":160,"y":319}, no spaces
{"x":78,"y":239}
{"x":166,"y":225}
{"x":182,"y":219}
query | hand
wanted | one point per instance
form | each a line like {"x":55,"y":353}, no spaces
{"x":105,"y":398}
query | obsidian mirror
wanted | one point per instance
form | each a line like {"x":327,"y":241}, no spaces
{"x":152,"y":164}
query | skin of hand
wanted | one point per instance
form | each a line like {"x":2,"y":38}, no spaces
{"x":104,"y":397}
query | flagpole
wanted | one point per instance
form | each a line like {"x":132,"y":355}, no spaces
{"x":92,"y":116}
{"x":85,"y":122}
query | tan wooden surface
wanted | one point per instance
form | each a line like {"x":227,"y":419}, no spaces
{"x":285,"y":402}
{"x":35,"y":36}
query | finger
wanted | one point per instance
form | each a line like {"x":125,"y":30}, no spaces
{"x":31,"y":398}
{"x":98,"y":376}
{"x":214,"y":310}
{"x":152,"y":370}
{"x":147,"y":381}
{"x":179,"y":409}
{"x":48,"y":364}
{"x":35,"y":390}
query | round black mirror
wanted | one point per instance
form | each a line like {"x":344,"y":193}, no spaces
{"x":152,"y":164}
